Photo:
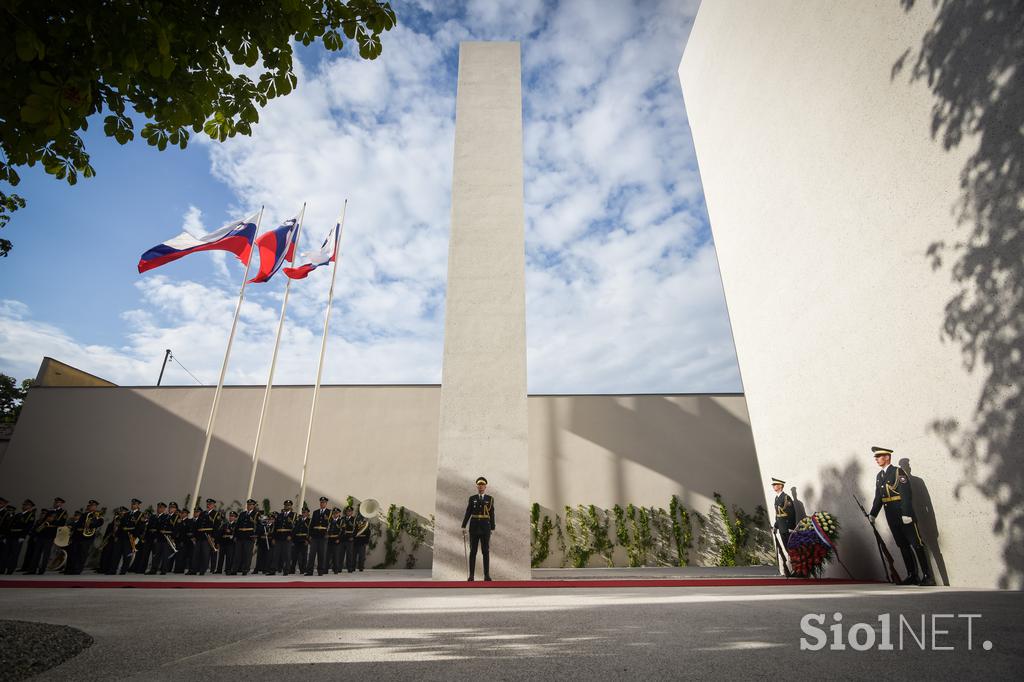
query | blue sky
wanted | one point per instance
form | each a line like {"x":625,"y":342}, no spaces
{"x":623,"y":289}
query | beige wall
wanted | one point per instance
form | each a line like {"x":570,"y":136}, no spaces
{"x":56,"y":373}
{"x":825,"y":190}
{"x":371,"y":441}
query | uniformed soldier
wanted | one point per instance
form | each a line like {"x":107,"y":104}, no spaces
{"x":185,"y":540}
{"x":300,"y":543}
{"x":245,"y":530}
{"x":46,"y":531}
{"x":480,"y":517}
{"x":785,"y":513}
{"x":148,"y":531}
{"x":109,"y":543}
{"x":6,"y":516}
{"x":348,"y":536}
{"x":164,"y":546}
{"x":205,"y":547}
{"x":334,"y":542}
{"x":283,"y":527}
{"x":362,"y":540}
{"x":127,"y":537}
{"x":892,"y":490}
{"x":20,"y":525}
{"x":265,"y":543}
{"x":83,"y":534}
{"x":156,"y":543}
{"x":318,"y":524}
{"x":225,"y":538}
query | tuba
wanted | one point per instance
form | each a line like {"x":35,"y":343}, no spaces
{"x":63,"y":537}
{"x":368,"y":509}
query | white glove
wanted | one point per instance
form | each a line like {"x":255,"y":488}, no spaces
{"x":907,"y":519}
{"x":871,"y":519}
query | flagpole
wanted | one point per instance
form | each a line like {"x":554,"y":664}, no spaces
{"x":320,"y":366}
{"x":224,"y":368}
{"x":273,"y":363}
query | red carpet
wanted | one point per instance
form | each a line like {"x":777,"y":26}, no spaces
{"x":416,"y":584}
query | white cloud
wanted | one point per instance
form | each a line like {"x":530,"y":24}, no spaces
{"x":623,"y":287}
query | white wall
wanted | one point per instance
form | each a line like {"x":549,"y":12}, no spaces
{"x":825,"y":190}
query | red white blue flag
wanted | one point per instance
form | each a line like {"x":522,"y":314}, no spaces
{"x":275,"y":247}
{"x":311,"y":260}
{"x":235,"y":237}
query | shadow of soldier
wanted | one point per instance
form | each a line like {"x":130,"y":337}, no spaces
{"x":926,"y":522}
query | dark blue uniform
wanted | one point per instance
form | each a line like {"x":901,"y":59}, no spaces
{"x":892,"y":491}
{"x":480,"y":517}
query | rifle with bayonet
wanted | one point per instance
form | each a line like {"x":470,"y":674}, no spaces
{"x":888,"y":566}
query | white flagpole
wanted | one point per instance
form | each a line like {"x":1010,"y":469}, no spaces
{"x":273,"y":362}
{"x":320,"y":366}
{"x":223,"y":370}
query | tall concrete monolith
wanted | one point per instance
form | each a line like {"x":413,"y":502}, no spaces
{"x":483,"y":421}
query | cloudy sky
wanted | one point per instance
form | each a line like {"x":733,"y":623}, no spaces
{"x":623,"y":288}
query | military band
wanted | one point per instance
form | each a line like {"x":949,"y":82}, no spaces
{"x":171,"y":540}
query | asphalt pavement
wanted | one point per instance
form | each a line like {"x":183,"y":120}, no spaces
{"x":649,"y":633}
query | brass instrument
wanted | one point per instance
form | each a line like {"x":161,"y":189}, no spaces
{"x":368,"y":509}
{"x":63,"y":537}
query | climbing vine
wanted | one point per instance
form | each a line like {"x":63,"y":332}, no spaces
{"x":540,"y":536}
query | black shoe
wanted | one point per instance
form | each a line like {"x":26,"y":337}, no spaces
{"x":163,"y":572}
{"x":360,"y":570}
{"x":927,"y":581}
{"x":243,"y":573}
{"x":487,"y":578}
{"x":470,"y":579}
{"x":310,"y":574}
{"x":910,"y":580}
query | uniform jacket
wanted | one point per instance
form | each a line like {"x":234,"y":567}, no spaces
{"x":892,"y":489}
{"x":479,"y":513}
{"x":785,"y":512}
{"x":318,"y":522}
{"x":245,"y":526}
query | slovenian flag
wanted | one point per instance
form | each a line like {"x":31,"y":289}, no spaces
{"x":275,"y":247}
{"x":235,"y":237}
{"x":311,"y":260}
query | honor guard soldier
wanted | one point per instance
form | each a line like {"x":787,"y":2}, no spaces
{"x":46,"y":531}
{"x":892,"y":491}
{"x":300,"y":543}
{"x":225,"y":538}
{"x":83,"y":533}
{"x":318,"y":524}
{"x":283,"y":527}
{"x":362,"y":541}
{"x":348,"y":536}
{"x":334,"y":541}
{"x":109,"y":545}
{"x":157,"y":541}
{"x":245,"y":531}
{"x":205,"y":545}
{"x":20,"y":525}
{"x":785,"y":513}
{"x":480,"y":517}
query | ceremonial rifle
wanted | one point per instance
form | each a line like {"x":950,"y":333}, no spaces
{"x":783,"y":556}
{"x":888,"y":567}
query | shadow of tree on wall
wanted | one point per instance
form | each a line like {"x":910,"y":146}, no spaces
{"x":972,"y":59}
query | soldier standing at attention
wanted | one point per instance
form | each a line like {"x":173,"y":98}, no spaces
{"x":300,"y":542}
{"x":225,"y":538}
{"x":265,"y":543}
{"x":205,"y":546}
{"x":284,"y":525}
{"x":892,"y":490}
{"x":82,"y":535}
{"x":785,"y":513}
{"x":21,"y":523}
{"x":480,"y":517}
{"x":46,"y":532}
{"x":348,"y":537}
{"x":126,"y":541}
{"x":318,"y":524}
{"x":158,"y":548}
{"x":245,"y":529}
{"x":334,"y":542}
{"x":362,"y":541}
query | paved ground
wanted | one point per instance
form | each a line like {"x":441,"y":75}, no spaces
{"x":645,"y":633}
